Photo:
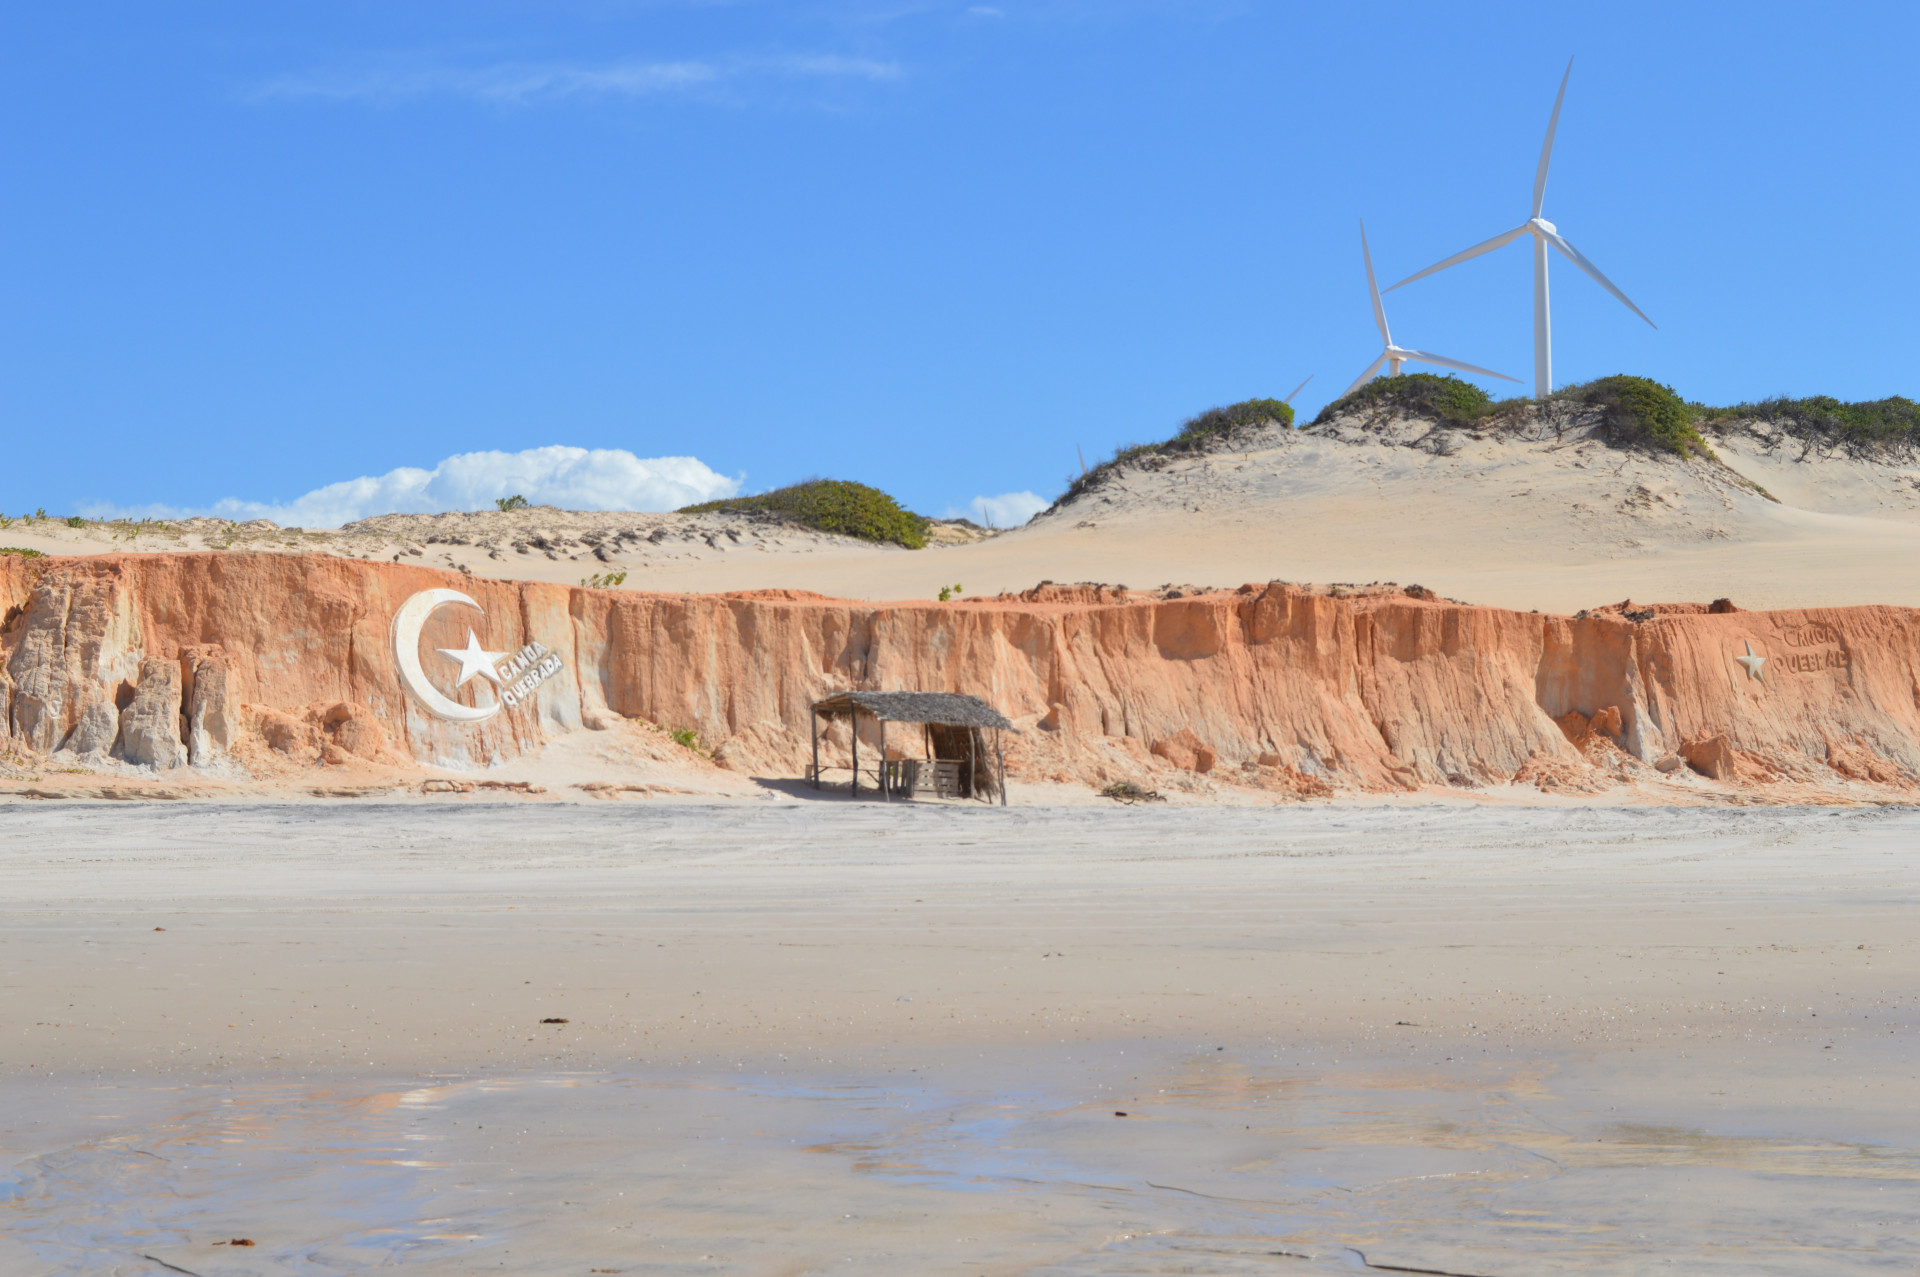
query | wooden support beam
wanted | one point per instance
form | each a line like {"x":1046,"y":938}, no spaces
{"x":1001,"y":757}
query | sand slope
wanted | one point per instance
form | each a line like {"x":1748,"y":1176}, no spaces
{"x":1537,"y":514}
{"x":1540,"y":513}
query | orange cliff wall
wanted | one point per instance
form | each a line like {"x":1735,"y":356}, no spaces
{"x":291,"y":657}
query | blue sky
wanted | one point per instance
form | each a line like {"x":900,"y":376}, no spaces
{"x":249,"y":250}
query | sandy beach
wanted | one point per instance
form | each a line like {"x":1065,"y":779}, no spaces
{"x":795,"y":1038}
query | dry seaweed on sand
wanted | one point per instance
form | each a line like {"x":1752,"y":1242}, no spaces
{"x":1125,"y":791}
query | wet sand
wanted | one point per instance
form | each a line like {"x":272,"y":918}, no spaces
{"x":830,"y":1037}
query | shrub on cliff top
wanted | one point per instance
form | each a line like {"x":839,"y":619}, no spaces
{"x":1196,"y":434}
{"x":836,"y":506}
{"x":1439,"y":395}
{"x":1641,"y":411}
{"x":1873,"y":422}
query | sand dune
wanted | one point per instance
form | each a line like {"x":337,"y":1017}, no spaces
{"x":1544,"y":514}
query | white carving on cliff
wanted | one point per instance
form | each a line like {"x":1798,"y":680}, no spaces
{"x":516,"y":676}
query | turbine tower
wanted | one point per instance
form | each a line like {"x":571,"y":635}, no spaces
{"x":1544,"y":233}
{"x":1393,"y":356}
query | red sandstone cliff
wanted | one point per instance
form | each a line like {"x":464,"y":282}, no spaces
{"x":165,"y":661}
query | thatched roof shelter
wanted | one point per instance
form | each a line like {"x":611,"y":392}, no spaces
{"x":949,"y":708}
{"x":953,"y":727}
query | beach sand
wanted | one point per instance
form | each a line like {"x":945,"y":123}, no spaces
{"x":828,"y":1036}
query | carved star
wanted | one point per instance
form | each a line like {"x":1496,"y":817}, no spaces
{"x":1752,"y":662}
{"x":473,"y":660}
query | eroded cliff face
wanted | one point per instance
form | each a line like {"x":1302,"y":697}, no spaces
{"x":237,"y":661}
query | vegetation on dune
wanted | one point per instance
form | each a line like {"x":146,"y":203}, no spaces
{"x":1441,"y":396}
{"x":1636,"y":412}
{"x":1875,"y":422}
{"x":1641,"y":411}
{"x":836,"y":506}
{"x":514,"y":502}
{"x":1222,"y":421}
{"x":22,"y":552}
{"x":1196,"y":434}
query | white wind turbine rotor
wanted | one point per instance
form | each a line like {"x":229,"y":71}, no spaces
{"x":1296,"y":390}
{"x":1544,"y":233}
{"x":1391,"y":355}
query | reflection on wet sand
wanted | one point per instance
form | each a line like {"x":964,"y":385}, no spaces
{"x":1220,"y":1164}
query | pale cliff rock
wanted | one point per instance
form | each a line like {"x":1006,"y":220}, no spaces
{"x":38,"y":667}
{"x":73,"y":641}
{"x":95,"y":730}
{"x":150,"y":724}
{"x":209,"y":730}
{"x":289,"y":660}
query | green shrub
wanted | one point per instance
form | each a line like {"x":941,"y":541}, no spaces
{"x":75,"y":521}
{"x":23,"y":553}
{"x":837,"y":506}
{"x":514,"y":502}
{"x":687,"y":737}
{"x":1248,"y":412}
{"x":604,"y":581}
{"x":1196,"y":434}
{"x":1641,"y":411}
{"x":1873,"y":422}
{"x":1441,"y":396}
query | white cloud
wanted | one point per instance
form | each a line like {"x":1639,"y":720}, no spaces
{"x":1008,"y":510}
{"x":519,"y":83}
{"x":572,"y":478}
{"x":833,"y":65}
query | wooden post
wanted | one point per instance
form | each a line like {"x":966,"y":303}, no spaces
{"x":813,"y":716}
{"x":853,"y":720}
{"x":886,"y":791}
{"x":973,"y":760}
{"x":1001,"y":757}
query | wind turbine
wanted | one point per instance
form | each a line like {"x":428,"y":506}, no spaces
{"x":1393,"y":356}
{"x":1544,"y":233}
{"x":1296,"y":390}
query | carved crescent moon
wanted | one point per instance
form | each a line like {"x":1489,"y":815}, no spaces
{"x":407,"y":624}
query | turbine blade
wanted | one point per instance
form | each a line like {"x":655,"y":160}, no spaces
{"x":1546,"y":148}
{"x":1379,"y":311}
{"x":1364,"y":377}
{"x":1423,"y":357}
{"x":1297,"y":389}
{"x":1498,"y":241}
{"x":1573,"y":255}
